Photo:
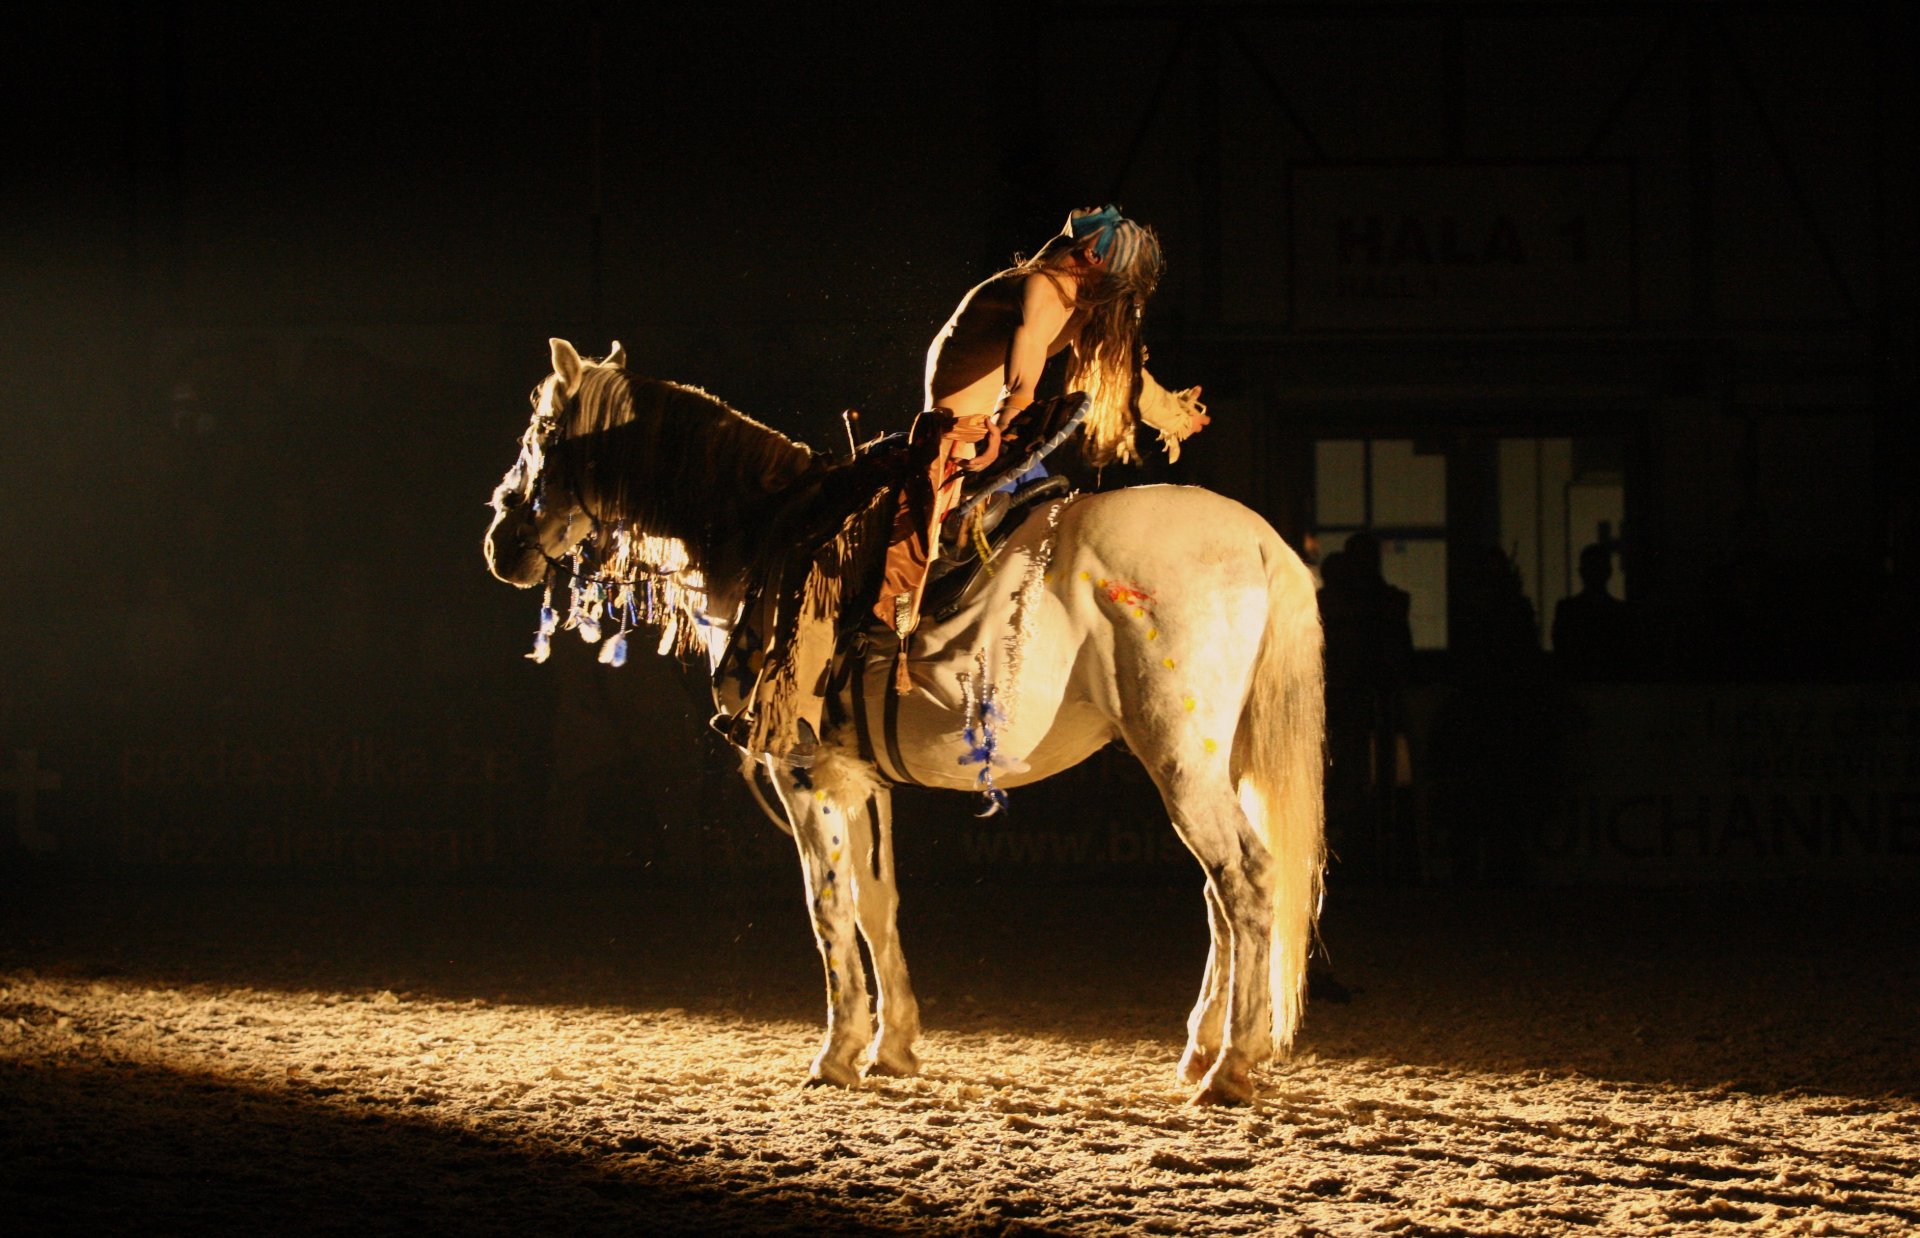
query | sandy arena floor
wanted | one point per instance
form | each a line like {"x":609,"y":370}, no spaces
{"x":383,"y":1058}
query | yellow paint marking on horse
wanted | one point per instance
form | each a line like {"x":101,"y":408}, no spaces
{"x":1209,"y":745}
{"x":1153,"y":633}
{"x":1167,"y":662}
{"x":1187,"y":703}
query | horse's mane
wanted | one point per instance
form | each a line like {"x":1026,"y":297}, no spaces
{"x":665,"y":460}
{"x":677,"y":483}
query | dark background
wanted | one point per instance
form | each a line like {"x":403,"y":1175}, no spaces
{"x":277,"y":278}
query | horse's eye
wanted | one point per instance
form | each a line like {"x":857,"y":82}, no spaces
{"x":513,"y":498}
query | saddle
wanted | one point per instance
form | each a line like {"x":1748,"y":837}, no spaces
{"x":805,"y":601}
{"x":960,"y":562}
{"x":979,"y":521}
{"x":876,"y":733}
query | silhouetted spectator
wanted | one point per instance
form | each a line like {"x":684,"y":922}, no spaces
{"x":1495,"y":750}
{"x":1369,"y":636}
{"x":1593,"y":634}
{"x":1492,"y":633}
{"x":1369,"y":647}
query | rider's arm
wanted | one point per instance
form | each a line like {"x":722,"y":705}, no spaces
{"x":1043,"y":315}
{"x":1175,"y":414}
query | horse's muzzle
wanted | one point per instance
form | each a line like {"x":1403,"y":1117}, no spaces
{"x":512,"y":554}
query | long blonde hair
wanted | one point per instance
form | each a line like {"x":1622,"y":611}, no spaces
{"x":1107,"y":354}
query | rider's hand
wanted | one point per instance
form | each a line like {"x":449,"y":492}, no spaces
{"x":985,"y":456}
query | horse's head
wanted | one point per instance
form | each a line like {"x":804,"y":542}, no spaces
{"x":537,"y":518}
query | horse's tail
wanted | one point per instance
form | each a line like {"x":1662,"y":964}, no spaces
{"x":1280,"y":759}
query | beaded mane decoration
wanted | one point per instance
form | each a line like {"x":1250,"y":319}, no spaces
{"x":675,"y":483}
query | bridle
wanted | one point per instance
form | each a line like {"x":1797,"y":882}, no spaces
{"x":526,"y":479}
{"x":601,"y":576}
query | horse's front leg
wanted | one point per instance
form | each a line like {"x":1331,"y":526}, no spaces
{"x":822,"y":834}
{"x":877,"y":899}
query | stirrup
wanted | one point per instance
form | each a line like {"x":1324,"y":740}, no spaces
{"x":735,"y":728}
{"x":806,"y":746}
{"x":731,"y":727}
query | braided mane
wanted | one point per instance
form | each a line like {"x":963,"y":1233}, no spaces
{"x":678,"y":485}
{"x":665,"y":461}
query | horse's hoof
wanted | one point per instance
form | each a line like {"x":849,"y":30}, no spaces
{"x":1224,"y":1085}
{"x":829,"y":1081}
{"x":1194,"y":1065}
{"x":894,"y":1064}
{"x":832,"y":1074}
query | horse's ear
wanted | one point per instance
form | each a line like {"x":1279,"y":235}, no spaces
{"x":617,"y":356}
{"x":566,"y":364}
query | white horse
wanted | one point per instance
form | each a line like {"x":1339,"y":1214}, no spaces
{"x":1168,"y":618}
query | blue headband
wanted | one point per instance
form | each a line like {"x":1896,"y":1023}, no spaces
{"x":1106,"y":222}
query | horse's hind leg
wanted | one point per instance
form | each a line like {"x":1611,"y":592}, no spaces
{"x":1207,"y":813}
{"x":824,"y":838}
{"x":1208,"y":1020}
{"x":877,"y":900}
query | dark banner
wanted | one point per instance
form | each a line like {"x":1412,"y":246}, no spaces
{"x":1673,"y":783}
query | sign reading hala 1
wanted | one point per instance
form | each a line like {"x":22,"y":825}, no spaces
{"x":1461,"y":246}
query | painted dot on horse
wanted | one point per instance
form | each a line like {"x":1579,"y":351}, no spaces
{"x":1167,"y":617}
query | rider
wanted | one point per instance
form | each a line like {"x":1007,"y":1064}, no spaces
{"x":1086,"y":291}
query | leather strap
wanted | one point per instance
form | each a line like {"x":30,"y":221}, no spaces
{"x":885,"y":754}
{"x":890,"y":714}
{"x":854,"y":682}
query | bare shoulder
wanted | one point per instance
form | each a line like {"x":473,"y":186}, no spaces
{"x":1014,"y":289}
{"x":1008,"y":300}
{"x":996,"y":297}
{"x":1048,"y":294}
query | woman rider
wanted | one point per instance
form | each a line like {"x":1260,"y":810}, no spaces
{"x":1086,"y":290}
